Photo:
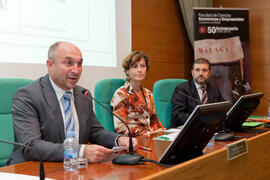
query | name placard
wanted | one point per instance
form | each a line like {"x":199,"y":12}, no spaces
{"x":237,"y":149}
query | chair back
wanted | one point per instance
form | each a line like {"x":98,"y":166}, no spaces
{"x":104,"y":91}
{"x":163,"y":90}
{"x":8,"y":87}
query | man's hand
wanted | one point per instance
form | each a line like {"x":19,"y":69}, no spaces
{"x":96,"y":153}
{"x":124,"y":141}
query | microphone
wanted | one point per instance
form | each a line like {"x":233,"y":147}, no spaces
{"x":130,"y":158}
{"x":189,"y":97}
{"x":41,"y":167}
{"x":248,"y":89}
{"x":245,"y":88}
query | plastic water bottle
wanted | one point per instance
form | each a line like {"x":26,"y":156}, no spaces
{"x":70,"y":152}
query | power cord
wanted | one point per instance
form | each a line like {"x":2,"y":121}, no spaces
{"x":155,"y":162}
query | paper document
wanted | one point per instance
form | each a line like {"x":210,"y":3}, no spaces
{"x":119,"y":148}
{"x":172,"y":130}
{"x":251,"y":124}
{"x":18,"y":176}
{"x":167,"y":137}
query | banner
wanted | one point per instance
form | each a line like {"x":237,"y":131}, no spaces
{"x":221,"y":36}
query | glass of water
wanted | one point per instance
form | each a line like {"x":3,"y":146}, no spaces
{"x":82,"y":162}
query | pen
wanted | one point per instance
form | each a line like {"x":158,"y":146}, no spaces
{"x":145,"y":148}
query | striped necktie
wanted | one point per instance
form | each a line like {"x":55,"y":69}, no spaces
{"x":204,"y":95}
{"x":69,"y":122}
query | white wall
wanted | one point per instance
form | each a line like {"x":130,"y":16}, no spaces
{"x":90,"y":74}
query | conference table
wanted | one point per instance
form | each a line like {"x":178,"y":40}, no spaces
{"x":195,"y":168}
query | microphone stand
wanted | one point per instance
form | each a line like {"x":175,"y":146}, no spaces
{"x":130,"y":158}
{"x":41,"y":167}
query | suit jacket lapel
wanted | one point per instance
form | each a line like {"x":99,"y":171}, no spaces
{"x":194,"y":91}
{"x":51,"y":99}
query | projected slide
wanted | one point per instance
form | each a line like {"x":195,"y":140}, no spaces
{"x":29,"y":27}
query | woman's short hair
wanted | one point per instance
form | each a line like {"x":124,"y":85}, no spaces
{"x":133,"y":58}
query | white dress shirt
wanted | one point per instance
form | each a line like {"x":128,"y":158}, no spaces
{"x":59,"y":94}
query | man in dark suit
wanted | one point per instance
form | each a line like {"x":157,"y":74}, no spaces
{"x":39,"y":109}
{"x":198,"y":88}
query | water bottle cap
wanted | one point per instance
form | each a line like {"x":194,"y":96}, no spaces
{"x":70,"y":134}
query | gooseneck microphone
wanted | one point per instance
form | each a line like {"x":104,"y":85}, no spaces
{"x":184,"y":94}
{"x":41,"y":167}
{"x":130,"y":158}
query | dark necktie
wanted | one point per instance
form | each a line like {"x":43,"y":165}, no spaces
{"x":204,"y":95}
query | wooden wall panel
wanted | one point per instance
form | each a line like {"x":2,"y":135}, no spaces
{"x":166,"y":71}
{"x":158,"y":30}
{"x":259,"y":44}
{"x":259,"y":81}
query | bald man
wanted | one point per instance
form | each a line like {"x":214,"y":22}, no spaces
{"x":38,"y":113}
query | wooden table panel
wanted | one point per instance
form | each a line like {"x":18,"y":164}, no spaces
{"x":108,"y":170}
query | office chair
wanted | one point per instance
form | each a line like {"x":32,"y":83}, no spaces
{"x":162,"y":91}
{"x":8,"y":87}
{"x":104,"y":90}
